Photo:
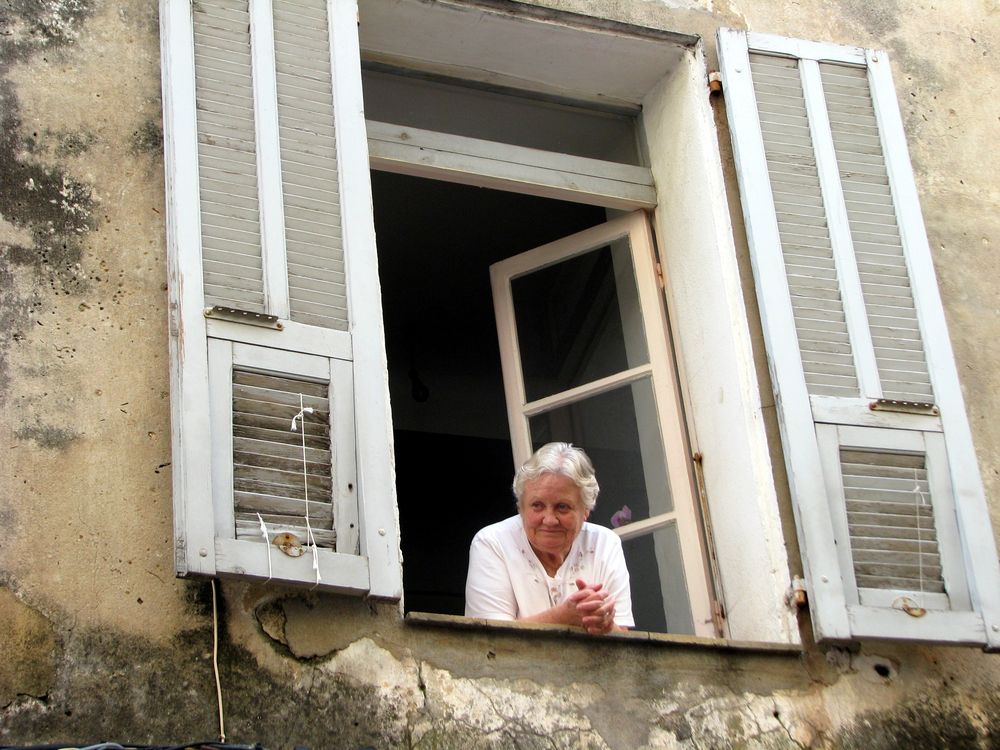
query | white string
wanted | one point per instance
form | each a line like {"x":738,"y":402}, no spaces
{"x":919,"y":501}
{"x":267,"y":544}
{"x":310,"y":537}
{"x":215,"y":662}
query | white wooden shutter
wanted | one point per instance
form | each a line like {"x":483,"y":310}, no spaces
{"x":264,"y":132}
{"x":889,"y":503}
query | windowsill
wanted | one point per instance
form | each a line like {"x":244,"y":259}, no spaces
{"x":430,"y":619}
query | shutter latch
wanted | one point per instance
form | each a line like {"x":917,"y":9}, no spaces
{"x":909,"y":606}
{"x":233,"y":315}
{"x":905,"y":407}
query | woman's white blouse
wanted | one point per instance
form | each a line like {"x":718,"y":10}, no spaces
{"x":507,"y":581}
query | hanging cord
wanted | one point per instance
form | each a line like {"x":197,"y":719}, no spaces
{"x":215,"y":663}
{"x":919,"y":501}
{"x":267,"y":544}
{"x":905,"y":603}
{"x":310,"y":537}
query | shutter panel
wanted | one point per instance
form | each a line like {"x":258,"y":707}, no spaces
{"x":820,"y":322}
{"x":316,"y":282}
{"x":230,"y":213}
{"x":890,"y":521}
{"x":264,"y":126}
{"x":266,"y":477}
{"x":878,"y":247}
{"x":889,"y":504}
{"x":282,"y":458}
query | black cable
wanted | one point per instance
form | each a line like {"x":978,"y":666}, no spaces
{"x":201,"y":745}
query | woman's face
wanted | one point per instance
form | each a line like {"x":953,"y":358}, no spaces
{"x":553,"y":513}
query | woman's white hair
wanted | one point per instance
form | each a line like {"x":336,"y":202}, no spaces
{"x":564,"y":459}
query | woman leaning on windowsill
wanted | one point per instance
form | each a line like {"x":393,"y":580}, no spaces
{"x":547,"y":564}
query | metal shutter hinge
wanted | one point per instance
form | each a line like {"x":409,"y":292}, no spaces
{"x":715,"y":82}
{"x":796,"y":596}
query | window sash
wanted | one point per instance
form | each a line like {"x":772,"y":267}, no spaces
{"x":659,"y":371}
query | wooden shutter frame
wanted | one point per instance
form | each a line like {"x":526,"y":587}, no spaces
{"x":194,"y":524}
{"x":828,"y":601}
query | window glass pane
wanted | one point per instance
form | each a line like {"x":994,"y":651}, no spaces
{"x":578,"y":320}
{"x":516,"y":118}
{"x":659,"y":596}
{"x":619,"y":432}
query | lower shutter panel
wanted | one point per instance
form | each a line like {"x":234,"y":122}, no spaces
{"x":275,"y":479}
{"x":891,"y":521}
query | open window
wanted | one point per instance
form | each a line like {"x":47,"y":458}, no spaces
{"x":274,"y":287}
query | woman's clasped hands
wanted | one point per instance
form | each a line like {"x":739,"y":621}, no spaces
{"x":590,"y":608}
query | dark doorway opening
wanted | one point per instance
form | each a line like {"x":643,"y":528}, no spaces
{"x":436,"y":241}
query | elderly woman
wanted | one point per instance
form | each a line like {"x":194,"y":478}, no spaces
{"x":547,"y":564}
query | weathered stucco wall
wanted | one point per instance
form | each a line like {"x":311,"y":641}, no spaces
{"x":102,"y":642}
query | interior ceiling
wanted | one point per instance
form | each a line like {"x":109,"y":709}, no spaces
{"x":507,"y":45}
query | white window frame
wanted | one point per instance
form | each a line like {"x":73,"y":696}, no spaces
{"x":705,"y":307}
{"x":659,"y":370}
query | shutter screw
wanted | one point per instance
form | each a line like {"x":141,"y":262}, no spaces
{"x":203,"y":552}
{"x":381,"y":532}
{"x":996,"y":628}
{"x":824,"y":579}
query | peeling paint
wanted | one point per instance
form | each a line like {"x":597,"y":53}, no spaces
{"x":501,"y":713}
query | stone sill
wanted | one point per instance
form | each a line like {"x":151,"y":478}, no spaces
{"x":456,"y":622}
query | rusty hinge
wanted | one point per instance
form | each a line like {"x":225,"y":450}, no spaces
{"x":719,"y":617}
{"x":172,"y":320}
{"x":659,"y":275}
{"x":796,"y":596}
{"x":715,"y":82}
